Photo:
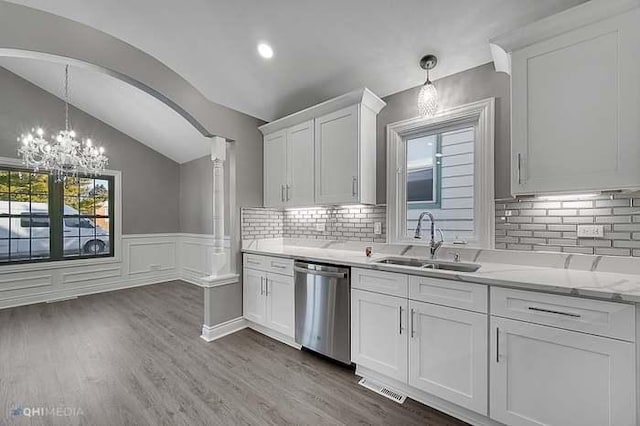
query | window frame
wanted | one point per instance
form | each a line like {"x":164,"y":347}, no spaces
{"x":115,"y":212}
{"x":481,"y":115}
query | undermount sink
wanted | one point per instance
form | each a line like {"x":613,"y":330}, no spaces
{"x":430,"y":264}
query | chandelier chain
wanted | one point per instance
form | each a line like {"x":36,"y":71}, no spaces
{"x":66,"y":97}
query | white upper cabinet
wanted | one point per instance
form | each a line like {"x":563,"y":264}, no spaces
{"x":337,"y":156}
{"x":275,"y":171}
{"x":324,"y":155}
{"x":300,"y":165}
{"x":576,"y":100}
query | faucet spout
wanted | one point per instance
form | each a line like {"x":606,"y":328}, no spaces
{"x":433,"y":244}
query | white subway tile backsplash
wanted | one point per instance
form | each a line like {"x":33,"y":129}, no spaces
{"x":553,"y":225}
{"x":533,"y":225}
{"x":339,"y":223}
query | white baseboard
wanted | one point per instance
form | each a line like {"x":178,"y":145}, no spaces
{"x":85,"y":290}
{"x":287,"y":340}
{"x":425,"y":398}
{"x":211,"y":333}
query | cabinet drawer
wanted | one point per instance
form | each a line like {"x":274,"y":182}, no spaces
{"x":590,"y":316}
{"x":472,"y":297}
{"x":381,"y":282}
{"x":276,"y":265}
{"x":255,"y":261}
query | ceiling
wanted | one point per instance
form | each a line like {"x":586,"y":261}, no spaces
{"x":322,"y":49}
{"x":118,"y":104}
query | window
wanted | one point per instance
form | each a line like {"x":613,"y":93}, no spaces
{"x":443,"y":165}
{"x":44,"y":220}
{"x":423,"y":165}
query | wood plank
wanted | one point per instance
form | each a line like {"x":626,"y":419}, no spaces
{"x":135,"y":357}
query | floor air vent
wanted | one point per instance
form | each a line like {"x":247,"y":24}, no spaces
{"x":383,"y":390}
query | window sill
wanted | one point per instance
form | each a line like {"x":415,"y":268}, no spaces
{"x":58,"y":264}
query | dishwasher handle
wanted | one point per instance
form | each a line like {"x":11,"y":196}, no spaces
{"x":321,"y":273}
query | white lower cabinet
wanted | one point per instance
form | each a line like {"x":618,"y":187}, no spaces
{"x":268,"y":300}
{"x":379,"y":333}
{"x":254,"y":307}
{"x":543,"y":375}
{"x":448,"y":354}
{"x":280,"y":299}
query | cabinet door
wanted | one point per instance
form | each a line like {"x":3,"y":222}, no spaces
{"x":280,"y":304}
{"x":253,"y":297}
{"x":448,"y":354}
{"x":575,"y":119}
{"x":379,"y":333}
{"x":336,"y":152}
{"x":547,"y":376}
{"x":275,"y":168}
{"x":300,"y":165}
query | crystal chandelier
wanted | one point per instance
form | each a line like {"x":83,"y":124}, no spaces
{"x":63,"y":155}
{"x":428,"y":96}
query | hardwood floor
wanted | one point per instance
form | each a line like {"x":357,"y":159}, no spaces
{"x":134,"y":357}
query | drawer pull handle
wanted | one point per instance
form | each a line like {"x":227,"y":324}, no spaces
{"x":412,"y":330}
{"x":273,"y":265}
{"x":253,"y":262}
{"x":497,"y":345}
{"x":550,"y":311}
{"x":400,"y":331}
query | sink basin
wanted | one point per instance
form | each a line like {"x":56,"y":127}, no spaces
{"x":453,"y":266}
{"x":430,"y":264}
{"x":416,"y":263}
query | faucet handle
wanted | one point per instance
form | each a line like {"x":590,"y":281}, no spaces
{"x":441,"y":234}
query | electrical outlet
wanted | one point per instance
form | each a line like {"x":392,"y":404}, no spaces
{"x":377,"y":228}
{"x":320,"y":227}
{"x":590,"y":231}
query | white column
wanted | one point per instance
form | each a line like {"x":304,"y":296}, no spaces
{"x":219,"y":261}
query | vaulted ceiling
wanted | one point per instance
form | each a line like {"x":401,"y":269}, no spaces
{"x":322,"y":48}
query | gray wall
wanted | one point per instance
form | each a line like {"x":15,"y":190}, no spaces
{"x":196,"y":183}
{"x":468,"y":86}
{"x":196,"y":196}
{"x":150,"y":181}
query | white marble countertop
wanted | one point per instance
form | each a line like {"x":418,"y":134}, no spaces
{"x":586,"y":283}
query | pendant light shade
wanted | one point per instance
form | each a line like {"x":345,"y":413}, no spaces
{"x":428,"y":96}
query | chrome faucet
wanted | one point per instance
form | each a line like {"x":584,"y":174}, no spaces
{"x":433,"y":244}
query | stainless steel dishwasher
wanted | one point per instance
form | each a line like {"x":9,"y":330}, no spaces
{"x":323,"y":303}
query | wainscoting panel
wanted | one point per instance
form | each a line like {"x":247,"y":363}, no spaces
{"x":25,"y":281}
{"x":91,"y":274}
{"x":155,"y":254}
{"x":195,"y":255}
{"x":144,"y":259}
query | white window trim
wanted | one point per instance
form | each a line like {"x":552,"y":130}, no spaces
{"x":117,"y":238}
{"x":482,"y":115}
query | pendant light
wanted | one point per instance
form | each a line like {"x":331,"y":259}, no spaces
{"x":428,"y":97}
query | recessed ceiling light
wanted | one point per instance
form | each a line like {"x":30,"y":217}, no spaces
{"x":265,"y":50}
